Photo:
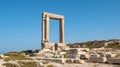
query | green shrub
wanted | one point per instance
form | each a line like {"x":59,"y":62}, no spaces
{"x":50,"y":66}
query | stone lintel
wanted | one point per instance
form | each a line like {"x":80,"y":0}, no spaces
{"x":54,"y":16}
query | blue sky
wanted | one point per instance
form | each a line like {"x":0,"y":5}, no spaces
{"x":85,"y":20}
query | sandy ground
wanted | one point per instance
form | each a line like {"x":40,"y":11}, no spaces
{"x":80,"y":65}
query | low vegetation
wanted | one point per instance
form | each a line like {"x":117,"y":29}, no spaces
{"x":23,"y":64}
{"x":0,"y":57}
{"x":28,"y":64}
{"x":45,"y":61}
{"x":66,"y":54}
{"x":10,"y":65}
{"x":15,"y":56}
{"x":50,"y":66}
{"x":113,"y":45}
{"x":97,"y":44}
{"x":117,"y":56}
{"x":89,"y":44}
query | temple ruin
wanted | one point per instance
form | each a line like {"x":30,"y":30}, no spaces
{"x":46,"y":32}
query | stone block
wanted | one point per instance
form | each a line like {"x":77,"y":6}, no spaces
{"x":97,"y":59}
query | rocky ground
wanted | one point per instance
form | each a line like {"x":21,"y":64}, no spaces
{"x":79,"y":65}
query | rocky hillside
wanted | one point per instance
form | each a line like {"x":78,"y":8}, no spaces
{"x":113,"y":43}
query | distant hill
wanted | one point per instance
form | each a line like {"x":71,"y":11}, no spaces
{"x":112,"y":43}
